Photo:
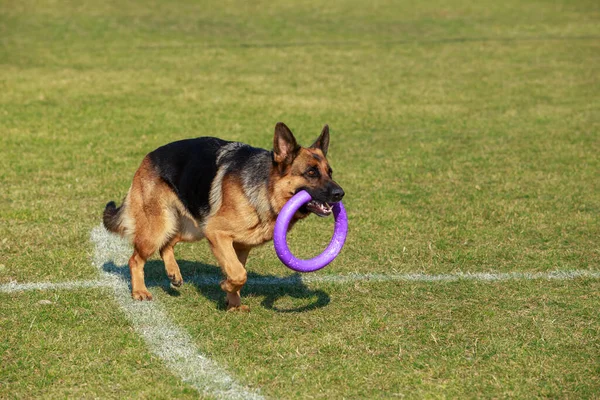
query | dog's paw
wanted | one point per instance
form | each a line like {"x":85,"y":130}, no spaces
{"x":141,"y":295}
{"x":240,"y":308}
{"x":176,"y":281}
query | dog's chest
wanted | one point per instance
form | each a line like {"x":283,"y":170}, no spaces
{"x":256,"y":234}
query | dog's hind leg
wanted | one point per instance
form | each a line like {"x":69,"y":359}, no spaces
{"x":136,"y":268}
{"x":171,"y":266}
{"x":146,"y":242}
{"x":150,"y":203}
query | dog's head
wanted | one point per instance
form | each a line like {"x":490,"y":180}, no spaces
{"x":305,"y":168}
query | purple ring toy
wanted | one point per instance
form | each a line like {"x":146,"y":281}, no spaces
{"x":280,"y":235}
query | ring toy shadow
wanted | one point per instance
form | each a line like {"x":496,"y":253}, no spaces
{"x":206,"y":278}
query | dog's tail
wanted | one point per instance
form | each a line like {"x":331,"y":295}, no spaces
{"x":113,"y":218}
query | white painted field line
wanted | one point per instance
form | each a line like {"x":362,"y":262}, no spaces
{"x":460,"y":276}
{"x":414,"y":277}
{"x":11,"y":287}
{"x":209,"y":280}
{"x":172,"y":344}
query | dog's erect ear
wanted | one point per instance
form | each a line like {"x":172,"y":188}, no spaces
{"x":285,"y":147}
{"x":322,"y":142}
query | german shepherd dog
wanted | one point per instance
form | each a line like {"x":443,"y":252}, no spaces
{"x":227,"y":192}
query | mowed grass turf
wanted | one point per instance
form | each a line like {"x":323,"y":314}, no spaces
{"x":466,"y":136}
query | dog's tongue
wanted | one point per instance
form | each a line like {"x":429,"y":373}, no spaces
{"x":321,"y":209}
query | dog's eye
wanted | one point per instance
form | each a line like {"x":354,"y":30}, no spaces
{"x":312,"y":172}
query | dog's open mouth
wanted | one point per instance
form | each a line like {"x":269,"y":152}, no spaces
{"x":321,"y":209}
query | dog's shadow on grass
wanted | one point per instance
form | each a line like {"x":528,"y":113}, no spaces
{"x":206,"y":278}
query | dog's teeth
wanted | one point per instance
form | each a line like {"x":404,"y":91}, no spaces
{"x":321,"y":209}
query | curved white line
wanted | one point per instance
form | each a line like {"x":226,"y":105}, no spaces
{"x":171,"y":343}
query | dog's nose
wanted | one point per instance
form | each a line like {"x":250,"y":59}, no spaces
{"x":337,"y":194}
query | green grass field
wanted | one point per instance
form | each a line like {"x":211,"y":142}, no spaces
{"x":465,"y":134}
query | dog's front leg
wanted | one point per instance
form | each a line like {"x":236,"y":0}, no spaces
{"x":235,"y":298}
{"x":232,"y":263}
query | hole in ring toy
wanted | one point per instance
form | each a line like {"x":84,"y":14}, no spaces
{"x":281,"y":228}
